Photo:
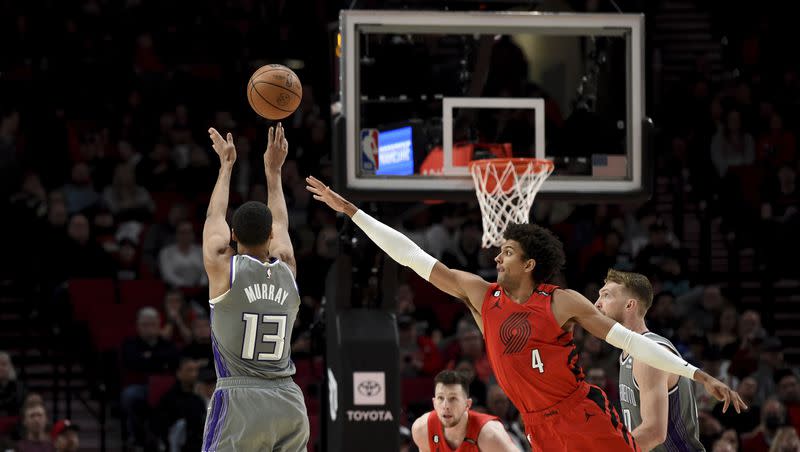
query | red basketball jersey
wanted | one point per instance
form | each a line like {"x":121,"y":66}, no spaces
{"x":534,"y":360}
{"x":475,"y":422}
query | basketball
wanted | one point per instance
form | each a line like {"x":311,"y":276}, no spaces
{"x":274,"y":91}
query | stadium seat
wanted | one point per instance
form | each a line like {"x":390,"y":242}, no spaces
{"x":157,"y":386}
{"x":313,"y":440}
{"x":318,"y":367}
{"x":109,"y":326}
{"x":303,"y":366}
{"x":312,"y":405}
{"x":87,"y":294}
{"x":94,"y":302}
{"x":447,"y":313}
{"x":164,"y":201}
{"x":8,"y":424}
{"x":304,"y":382}
{"x":309,"y":379}
{"x":121,"y":321}
{"x":197,"y":293}
{"x":751,"y":179}
{"x":425,"y":294}
{"x":416,"y":390}
{"x":134,"y":295}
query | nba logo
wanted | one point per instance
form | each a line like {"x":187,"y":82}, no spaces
{"x":369,"y":150}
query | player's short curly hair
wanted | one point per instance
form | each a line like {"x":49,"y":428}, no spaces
{"x":252,"y":223}
{"x":453,"y":377}
{"x":542,"y":246}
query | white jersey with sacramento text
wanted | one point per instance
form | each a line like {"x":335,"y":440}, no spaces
{"x":251,"y":324}
{"x":683,"y":433}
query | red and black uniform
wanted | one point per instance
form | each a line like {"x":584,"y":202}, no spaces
{"x":536,"y":363}
{"x":475,"y":422}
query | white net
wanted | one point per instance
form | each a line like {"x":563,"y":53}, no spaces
{"x":506,"y":189}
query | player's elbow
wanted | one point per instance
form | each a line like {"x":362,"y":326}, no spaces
{"x":650,"y":436}
{"x":660,"y":435}
{"x":495,"y":438}
{"x":506,"y":446}
{"x":286,"y":255}
{"x":419,"y":432}
{"x":661,"y":438}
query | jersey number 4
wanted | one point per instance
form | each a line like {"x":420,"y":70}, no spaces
{"x":536,"y":360}
{"x":251,"y":331}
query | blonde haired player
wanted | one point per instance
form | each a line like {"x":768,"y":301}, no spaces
{"x":658,"y":408}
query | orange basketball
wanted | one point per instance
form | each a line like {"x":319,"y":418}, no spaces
{"x":274,"y":91}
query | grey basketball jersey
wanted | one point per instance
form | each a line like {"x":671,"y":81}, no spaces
{"x":251,"y":324}
{"x":683,"y":433}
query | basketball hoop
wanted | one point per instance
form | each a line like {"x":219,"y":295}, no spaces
{"x":506,"y":188}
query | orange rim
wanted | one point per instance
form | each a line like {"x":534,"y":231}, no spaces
{"x":520,"y":163}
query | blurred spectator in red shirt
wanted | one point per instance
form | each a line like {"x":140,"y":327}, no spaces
{"x":777,"y":146}
{"x":789,"y":393}
{"x":419,"y":355}
{"x":471,"y":348}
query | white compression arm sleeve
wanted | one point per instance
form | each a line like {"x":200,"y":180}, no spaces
{"x":649,"y":352}
{"x":396,"y":245}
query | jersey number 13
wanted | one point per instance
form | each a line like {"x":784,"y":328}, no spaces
{"x":251,"y":332}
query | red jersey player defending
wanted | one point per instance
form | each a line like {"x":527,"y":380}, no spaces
{"x":452,"y":427}
{"x":527,"y":326}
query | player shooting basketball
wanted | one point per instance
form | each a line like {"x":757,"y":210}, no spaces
{"x":254,"y":302}
{"x":527,"y":326}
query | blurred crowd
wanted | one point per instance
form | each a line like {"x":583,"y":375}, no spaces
{"x":24,"y":416}
{"x":105,"y":166}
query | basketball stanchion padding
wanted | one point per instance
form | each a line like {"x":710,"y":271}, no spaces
{"x":506,"y":189}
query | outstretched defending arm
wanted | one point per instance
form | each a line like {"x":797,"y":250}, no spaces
{"x":462,"y":285}
{"x":216,"y":232}
{"x":569,"y":305}
{"x":280,"y":245}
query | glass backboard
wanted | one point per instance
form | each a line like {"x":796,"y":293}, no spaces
{"x":423,"y":93}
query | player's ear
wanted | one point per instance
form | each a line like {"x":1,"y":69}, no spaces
{"x":530,"y":264}
{"x":233,"y":236}
{"x":469,"y":402}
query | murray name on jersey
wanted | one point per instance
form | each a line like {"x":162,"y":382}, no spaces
{"x":268,"y":292}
